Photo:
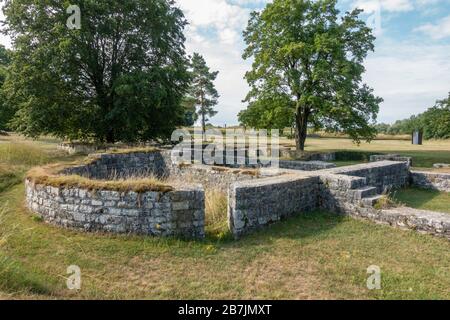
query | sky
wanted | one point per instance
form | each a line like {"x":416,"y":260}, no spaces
{"x":410,"y":68}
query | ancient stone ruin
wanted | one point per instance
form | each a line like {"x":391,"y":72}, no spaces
{"x":257,"y":197}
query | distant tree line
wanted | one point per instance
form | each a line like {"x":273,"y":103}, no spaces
{"x":435,"y":123}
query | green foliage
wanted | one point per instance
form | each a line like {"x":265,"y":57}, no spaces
{"x":121,"y":77}
{"x":202,"y":92}
{"x":310,"y":59}
{"x":272,"y":112}
{"x":190,"y":114}
{"x":435,"y":122}
{"x":6,"y":111}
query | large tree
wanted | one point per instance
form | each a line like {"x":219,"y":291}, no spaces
{"x":309,"y":57}
{"x":202,"y":90}
{"x":120,"y":77}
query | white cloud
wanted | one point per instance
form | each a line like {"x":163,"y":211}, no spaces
{"x":215,"y":31}
{"x":410,"y":77}
{"x":437,"y":31}
{"x":371,"y":6}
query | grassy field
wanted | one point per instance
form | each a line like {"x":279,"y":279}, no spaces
{"x":424,"y":156}
{"x":315,"y":256}
{"x":424,"y":199}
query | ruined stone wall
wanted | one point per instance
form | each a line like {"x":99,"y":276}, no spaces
{"x":120,"y":166}
{"x":391,"y":157}
{"x":217,"y":178}
{"x":257,"y":198}
{"x":177,"y":213}
{"x":384,"y":175}
{"x":255,"y":204}
{"x":306,"y":165}
{"x":430,"y":180}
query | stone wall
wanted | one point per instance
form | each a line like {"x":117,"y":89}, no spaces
{"x":218,"y":178}
{"x":178,"y":213}
{"x":119,"y":166}
{"x":430,"y":180}
{"x":256,"y":197}
{"x":384,"y":175}
{"x":391,"y":157}
{"x":254,"y":204}
{"x":427,"y":222}
{"x":306,"y":165}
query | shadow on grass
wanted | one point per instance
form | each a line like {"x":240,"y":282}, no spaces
{"x":303,"y":226}
{"x":14,"y":279}
{"x":423,"y":199}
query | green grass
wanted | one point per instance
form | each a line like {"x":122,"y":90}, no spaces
{"x":424,"y":199}
{"x":319,"y":256}
{"x":431,"y":152}
{"x":9,"y":177}
{"x":315,"y":256}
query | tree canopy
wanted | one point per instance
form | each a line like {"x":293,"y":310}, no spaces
{"x":120,"y":77}
{"x":307,"y":70}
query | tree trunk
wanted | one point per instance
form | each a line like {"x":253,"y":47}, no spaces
{"x":203,"y":127}
{"x":202,"y":108}
{"x":301,"y":129}
{"x":110,"y":137}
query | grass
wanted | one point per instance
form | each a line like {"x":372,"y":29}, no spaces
{"x":424,"y":199}
{"x":315,"y":256}
{"x":9,"y":177}
{"x":47,"y":176}
{"x":22,"y":154}
{"x":431,"y":152}
{"x":216,"y":204}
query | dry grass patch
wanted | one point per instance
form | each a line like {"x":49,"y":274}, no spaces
{"x":133,"y":150}
{"x":49,"y":176}
{"x":216,"y":204}
{"x":22,"y":154}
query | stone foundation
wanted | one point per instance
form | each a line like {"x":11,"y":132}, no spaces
{"x":392,"y":157}
{"x":430,"y":180}
{"x":254,"y":204}
{"x":257,"y":197}
{"x":177,"y":213}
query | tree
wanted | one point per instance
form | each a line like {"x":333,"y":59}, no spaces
{"x":436,"y":120}
{"x":190,"y":115}
{"x":120,"y":77}
{"x":6,"y":111}
{"x":202,"y":89}
{"x":307,"y":55}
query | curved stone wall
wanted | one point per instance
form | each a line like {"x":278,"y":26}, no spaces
{"x":124,"y":165}
{"x":177,"y":213}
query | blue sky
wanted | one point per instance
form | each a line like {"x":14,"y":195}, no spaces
{"x":410,"y":68}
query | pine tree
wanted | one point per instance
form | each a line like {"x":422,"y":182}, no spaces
{"x":203,"y":90}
